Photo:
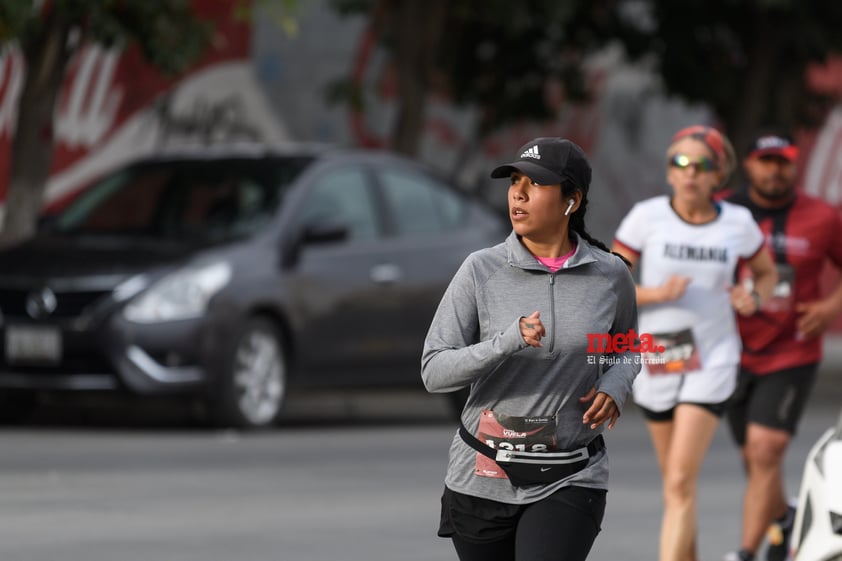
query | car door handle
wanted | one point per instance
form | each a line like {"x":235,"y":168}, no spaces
{"x":386,"y":274}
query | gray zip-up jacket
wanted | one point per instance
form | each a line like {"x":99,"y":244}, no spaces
{"x":475,"y":340}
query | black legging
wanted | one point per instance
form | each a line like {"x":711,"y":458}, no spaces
{"x":562,"y":527}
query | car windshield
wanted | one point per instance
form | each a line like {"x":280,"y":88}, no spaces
{"x":213,"y":200}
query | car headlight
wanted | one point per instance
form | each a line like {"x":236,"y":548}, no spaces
{"x":183,"y":294}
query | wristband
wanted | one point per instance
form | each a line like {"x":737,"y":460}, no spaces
{"x":757,"y":302}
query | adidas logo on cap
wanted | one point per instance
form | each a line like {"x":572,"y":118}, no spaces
{"x":550,"y":161}
{"x":531,"y":152}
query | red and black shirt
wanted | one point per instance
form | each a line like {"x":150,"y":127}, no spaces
{"x":802,"y":236}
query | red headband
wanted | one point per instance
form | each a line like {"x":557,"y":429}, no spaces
{"x":712,"y":138}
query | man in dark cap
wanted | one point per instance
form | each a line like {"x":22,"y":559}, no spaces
{"x":782,"y":344}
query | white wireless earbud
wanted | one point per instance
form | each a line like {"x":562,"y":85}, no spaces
{"x":569,"y":206}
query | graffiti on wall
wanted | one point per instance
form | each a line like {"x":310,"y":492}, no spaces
{"x":205,"y":121}
{"x":113,"y":106}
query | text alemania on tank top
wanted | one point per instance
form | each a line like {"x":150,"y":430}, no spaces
{"x":696,"y":253}
{"x":556,"y":263}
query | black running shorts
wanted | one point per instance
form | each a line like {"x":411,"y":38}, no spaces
{"x":774,"y":400}
{"x":563,"y":525}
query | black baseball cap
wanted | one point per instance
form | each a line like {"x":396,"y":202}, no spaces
{"x":773,"y":143}
{"x":550,"y":160}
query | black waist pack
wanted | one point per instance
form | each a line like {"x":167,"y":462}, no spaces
{"x":530,"y":468}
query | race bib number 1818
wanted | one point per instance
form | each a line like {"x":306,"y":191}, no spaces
{"x":506,"y":432}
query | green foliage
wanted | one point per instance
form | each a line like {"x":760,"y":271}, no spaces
{"x":13,"y":16}
{"x":345,"y":91}
{"x":708,"y":48}
{"x":508,"y":52}
{"x":284,"y":13}
{"x":166,"y":31}
{"x":501,"y":55}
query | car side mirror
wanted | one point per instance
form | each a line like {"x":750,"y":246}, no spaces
{"x":314,"y":233}
{"x":324,"y":232}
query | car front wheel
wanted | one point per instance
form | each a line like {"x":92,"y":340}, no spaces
{"x":253,"y":385}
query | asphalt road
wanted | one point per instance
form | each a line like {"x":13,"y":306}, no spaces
{"x":356,"y":478}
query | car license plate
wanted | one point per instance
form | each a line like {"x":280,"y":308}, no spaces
{"x":34,"y":344}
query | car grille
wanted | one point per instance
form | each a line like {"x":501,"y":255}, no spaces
{"x":77,"y":358}
{"x":68,"y":304}
{"x":72,"y":363}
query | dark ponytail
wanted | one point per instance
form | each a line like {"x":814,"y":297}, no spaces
{"x":577,"y":222}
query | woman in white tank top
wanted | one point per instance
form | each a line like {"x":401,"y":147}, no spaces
{"x":687,"y":246}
